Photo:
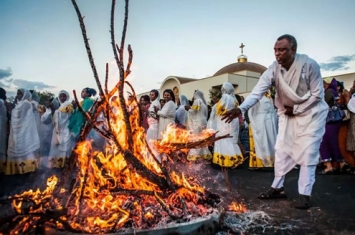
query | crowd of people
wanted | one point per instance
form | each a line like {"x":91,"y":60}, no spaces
{"x":310,"y":122}
{"x":37,"y":136}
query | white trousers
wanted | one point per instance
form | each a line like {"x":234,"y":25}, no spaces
{"x":284,"y":164}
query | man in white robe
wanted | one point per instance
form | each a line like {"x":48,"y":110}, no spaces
{"x":302,"y":115}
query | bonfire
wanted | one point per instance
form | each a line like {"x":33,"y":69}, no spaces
{"x":124,"y":187}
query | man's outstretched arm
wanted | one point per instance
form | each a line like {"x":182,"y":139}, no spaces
{"x":257,"y":93}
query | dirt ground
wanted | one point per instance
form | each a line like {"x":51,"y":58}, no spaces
{"x":333,"y":210}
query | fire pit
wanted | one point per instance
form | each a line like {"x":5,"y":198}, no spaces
{"x":124,"y":188}
{"x":199,"y":226}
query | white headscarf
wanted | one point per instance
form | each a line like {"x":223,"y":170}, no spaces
{"x":181,"y":113}
{"x":228,"y":88}
{"x":26,"y":94}
{"x":24,"y":137}
{"x":66,"y":102}
{"x":35,"y":96}
{"x":199,"y":95}
{"x":61,"y":121}
{"x":55,"y":103}
{"x":183,"y":100}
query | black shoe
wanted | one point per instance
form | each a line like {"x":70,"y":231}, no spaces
{"x":345,"y":168}
{"x":273,"y":193}
{"x":303,"y":202}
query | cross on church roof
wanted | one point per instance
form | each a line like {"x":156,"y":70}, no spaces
{"x":241,"y":47}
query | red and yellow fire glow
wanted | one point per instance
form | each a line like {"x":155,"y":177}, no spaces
{"x":237,"y":207}
{"x":110,"y":195}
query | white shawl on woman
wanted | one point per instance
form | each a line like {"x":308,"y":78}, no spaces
{"x":23,"y":138}
{"x":61,"y":121}
{"x":47,"y":131}
{"x":181,"y":113}
{"x":166,"y":116}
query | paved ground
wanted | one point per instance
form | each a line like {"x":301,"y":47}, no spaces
{"x":333,"y":197}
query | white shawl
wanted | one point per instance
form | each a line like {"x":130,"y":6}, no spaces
{"x":197,"y":118}
{"x":152,"y":116}
{"x":287,"y":83}
{"x":61,"y":122}
{"x":23,"y":138}
{"x":181,"y":113}
{"x":166,"y":116}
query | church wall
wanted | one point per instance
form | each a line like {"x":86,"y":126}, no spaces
{"x":245,"y":83}
{"x":203,"y":85}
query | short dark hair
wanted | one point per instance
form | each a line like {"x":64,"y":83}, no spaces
{"x":239,"y":99}
{"x":145,"y":98}
{"x":291,"y":39}
{"x":2,"y":93}
{"x":156,"y":92}
{"x":90,"y":91}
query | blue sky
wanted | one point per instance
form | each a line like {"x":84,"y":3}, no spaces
{"x":41,"y":43}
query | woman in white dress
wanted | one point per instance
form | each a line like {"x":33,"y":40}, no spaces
{"x":47,"y":126}
{"x":153,"y":121}
{"x":24,"y":139}
{"x":61,"y":145}
{"x":197,"y":121}
{"x":3,"y":129}
{"x":263,"y":132}
{"x":167,"y":113}
{"x":227,"y":154}
{"x":36,"y":107}
{"x":181,"y":113}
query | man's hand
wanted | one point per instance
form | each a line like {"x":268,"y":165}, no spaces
{"x":289,"y":111}
{"x":231,"y":114}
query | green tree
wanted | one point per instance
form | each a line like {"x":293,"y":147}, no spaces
{"x":44,"y":96}
{"x":214,"y":95}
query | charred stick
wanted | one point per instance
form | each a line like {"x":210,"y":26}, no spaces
{"x":119,"y":62}
{"x":143,"y":170}
{"x":135,"y":98}
{"x":90,"y":122}
{"x":106,"y":80}
{"x":197,"y":144}
{"x":162,"y":203}
{"x":52,"y":217}
{"x":88,"y":50}
{"x":145,"y":141}
{"x":130,"y":58}
{"x":172,"y":187}
{"x":124,"y":30}
{"x":119,"y":191}
{"x":83,"y":185}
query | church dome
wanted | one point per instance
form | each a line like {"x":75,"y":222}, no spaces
{"x":241,"y":65}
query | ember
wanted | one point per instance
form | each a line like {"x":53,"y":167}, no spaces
{"x":124,"y":187}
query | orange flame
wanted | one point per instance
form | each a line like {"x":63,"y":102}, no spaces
{"x":237,"y":207}
{"x":110,"y":194}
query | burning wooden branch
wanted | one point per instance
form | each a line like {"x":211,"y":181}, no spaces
{"x":111,"y":186}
